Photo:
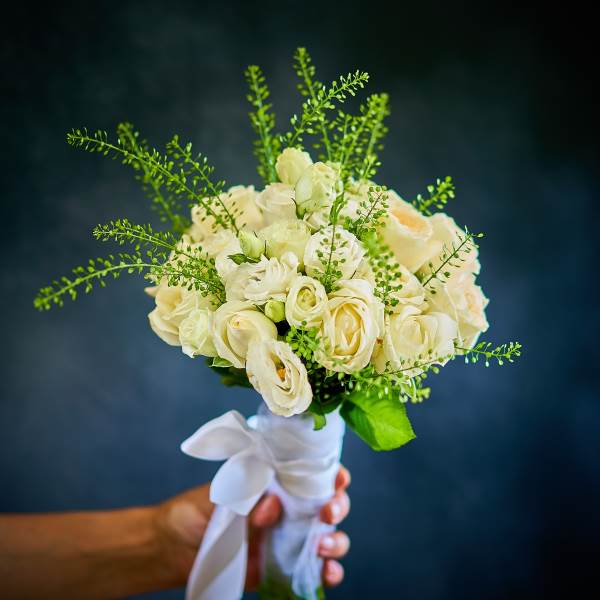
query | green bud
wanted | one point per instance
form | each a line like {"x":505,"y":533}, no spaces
{"x":251,"y":246}
{"x":275,"y":310}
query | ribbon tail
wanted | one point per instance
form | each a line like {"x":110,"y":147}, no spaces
{"x":219,"y":571}
{"x":306,"y":577}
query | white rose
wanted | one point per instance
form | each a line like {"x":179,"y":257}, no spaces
{"x":240,"y":201}
{"x":286,"y":236}
{"x":236,"y":325}
{"x":291,"y":163}
{"x":465,"y":302}
{"x":279,"y":376}
{"x":318,"y":219}
{"x":173,"y":305}
{"x":406,"y":289}
{"x":316,"y":188}
{"x":408,"y":234}
{"x":346,"y":257}
{"x":277,"y":202}
{"x":412,"y":336}
{"x":268,"y":279}
{"x":446,"y":233}
{"x":306,"y":303}
{"x":224,"y":265}
{"x":352,"y":323}
{"x":195,"y":333}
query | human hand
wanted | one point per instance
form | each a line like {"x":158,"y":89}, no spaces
{"x":181,"y":522}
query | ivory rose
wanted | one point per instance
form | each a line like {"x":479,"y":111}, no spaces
{"x":286,"y":236}
{"x":173,"y":305}
{"x":240,"y":200}
{"x":351,"y":325}
{"x":268,"y":279}
{"x":279,"y":376}
{"x":465,"y":302}
{"x":447,"y":233}
{"x":347,"y":252}
{"x":316,"y":188}
{"x":408,"y":234}
{"x":236,"y":325}
{"x":195,"y":333}
{"x":306,"y":303}
{"x":290,"y":165}
{"x":277,"y":203}
{"x":412,"y":336}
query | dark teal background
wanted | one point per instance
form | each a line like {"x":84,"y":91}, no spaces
{"x":498,"y":496}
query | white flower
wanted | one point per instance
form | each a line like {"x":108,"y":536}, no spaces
{"x":346,"y":256}
{"x":406,"y":289}
{"x":195,"y":333}
{"x":239,"y":201}
{"x":268,"y":279}
{"x":286,"y":236}
{"x":306,"y":303}
{"x":446,"y":233}
{"x":224,"y":265}
{"x":277,"y":202}
{"x":316,"y":188}
{"x":408,"y":234}
{"x":216,"y":243}
{"x":290,"y":164}
{"x":236,"y":325}
{"x":173,"y":305}
{"x":279,"y":376}
{"x":465,"y":302}
{"x":352,"y":323}
{"x":412,"y":336}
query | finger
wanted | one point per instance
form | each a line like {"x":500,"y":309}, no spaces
{"x":266,"y":513}
{"x":334,"y":545}
{"x":342,"y":480}
{"x":333,"y":573}
{"x":337,"y":509}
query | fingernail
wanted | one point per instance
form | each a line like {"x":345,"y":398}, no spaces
{"x":336,"y":510}
{"x":334,"y":571}
{"x":327,"y":542}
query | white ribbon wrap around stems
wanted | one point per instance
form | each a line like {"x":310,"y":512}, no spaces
{"x":267,"y":453}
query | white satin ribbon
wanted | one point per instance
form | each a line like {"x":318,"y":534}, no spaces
{"x":267,"y":453}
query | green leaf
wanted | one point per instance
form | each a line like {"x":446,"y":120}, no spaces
{"x":239,"y":258}
{"x":380,"y":422}
{"x":220,"y":362}
{"x":319,"y":421}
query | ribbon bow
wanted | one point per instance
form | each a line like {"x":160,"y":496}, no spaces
{"x":259,"y":458}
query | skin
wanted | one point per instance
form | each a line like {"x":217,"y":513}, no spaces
{"x":120,"y":553}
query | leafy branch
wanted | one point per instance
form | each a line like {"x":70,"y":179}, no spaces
{"x":439,"y":194}
{"x":262,"y":119}
{"x":309,"y":87}
{"x":166,"y":205}
{"x":358,"y":138}
{"x":452,"y":258}
{"x":178,"y":171}
{"x":370,"y":213}
{"x":313,"y":109}
{"x":484,"y":350}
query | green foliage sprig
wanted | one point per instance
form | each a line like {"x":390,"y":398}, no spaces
{"x":166,"y":204}
{"x":178,"y":171}
{"x":357,"y":138}
{"x":315,"y":107}
{"x":267,"y":146}
{"x":487,"y":352}
{"x":370,"y":214}
{"x":84,"y":277}
{"x":439,"y":194}
{"x":451,"y":258}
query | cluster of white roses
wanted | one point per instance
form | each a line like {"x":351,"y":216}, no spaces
{"x":285,"y":234}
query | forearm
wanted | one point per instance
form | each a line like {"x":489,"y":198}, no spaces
{"x":103,"y":555}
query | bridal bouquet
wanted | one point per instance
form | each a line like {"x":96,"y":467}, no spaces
{"x":323,"y":290}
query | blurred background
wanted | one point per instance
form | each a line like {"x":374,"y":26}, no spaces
{"x":498,"y":495}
